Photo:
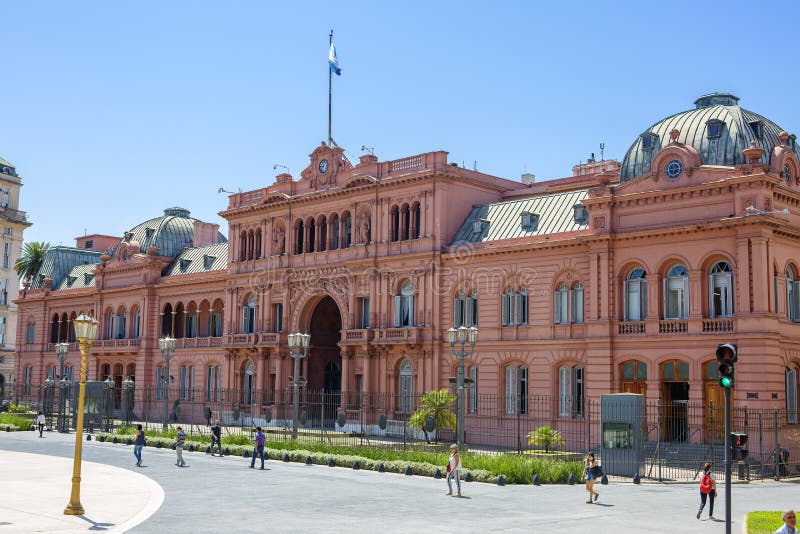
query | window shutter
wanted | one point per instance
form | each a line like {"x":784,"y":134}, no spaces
{"x":729,"y":294}
{"x":795,"y":300}
{"x":474,"y":307}
{"x":791,"y":396}
{"x":458,"y":311}
{"x":643,"y":300}
{"x":411,"y":321}
{"x":397,"y":303}
{"x":775,"y":292}
{"x":573,"y":409}
{"x":519,"y":309}
{"x":563,"y":391}
{"x":506,"y":309}
{"x":557,"y":307}
{"x":712,"y":312}
{"x":665,"y":299}
{"x":511,"y":382}
{"x":626,"y":295}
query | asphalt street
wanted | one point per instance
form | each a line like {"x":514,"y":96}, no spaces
{"x":215,"y":494}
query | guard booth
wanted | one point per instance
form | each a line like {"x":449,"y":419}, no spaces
{"x":622,"y":426}
{"x":94,"y":405}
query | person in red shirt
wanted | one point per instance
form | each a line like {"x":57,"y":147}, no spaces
{"x":708,"y":490}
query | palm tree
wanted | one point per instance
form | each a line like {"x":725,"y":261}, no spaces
{"x":435,"y":405}
{"x":546,"y":437}
{"x":31,"y":259}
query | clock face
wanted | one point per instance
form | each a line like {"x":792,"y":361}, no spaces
{"x":323,"y":166}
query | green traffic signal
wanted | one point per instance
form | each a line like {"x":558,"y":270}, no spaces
{"x":726,"y":381}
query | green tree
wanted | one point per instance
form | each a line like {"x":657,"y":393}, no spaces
{"x":437,"y":405}
{"x":546,"y":437}
{"x":31,"y":259}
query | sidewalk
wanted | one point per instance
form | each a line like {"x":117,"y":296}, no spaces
{"x":36,"y":489}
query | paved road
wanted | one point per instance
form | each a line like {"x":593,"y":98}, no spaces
{"x":217,"y":494}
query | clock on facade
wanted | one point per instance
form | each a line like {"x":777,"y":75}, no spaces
{"x":323,"y":166}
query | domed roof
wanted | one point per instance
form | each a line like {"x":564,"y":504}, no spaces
{"x":7,"y":168}
{"x":717,"y":128}
{"x":171,"y":233}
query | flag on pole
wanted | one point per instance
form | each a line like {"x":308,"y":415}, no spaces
{"x":333,"y":61}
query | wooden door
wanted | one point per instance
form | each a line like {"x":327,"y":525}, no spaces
{"x":714,"y":421}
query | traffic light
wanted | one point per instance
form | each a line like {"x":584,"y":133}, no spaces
{"x":726,"y":356}
{"x":739,"y":446}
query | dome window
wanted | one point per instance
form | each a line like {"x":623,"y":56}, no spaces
{"x":580,"y":214}
{"x":530,"y":221}
{"x":758,"y":129}
{"x":714,"y":128}
{"x":787,"y":174}
{"x":479,"y":226}
{"x":673,"y":169}
{"x":649,"y":141}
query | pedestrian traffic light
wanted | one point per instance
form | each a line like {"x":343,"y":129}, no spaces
{"x":739,"y":446}
{"x":726,"y":356}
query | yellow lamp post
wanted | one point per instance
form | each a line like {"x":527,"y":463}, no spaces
{"x":86,"y":332}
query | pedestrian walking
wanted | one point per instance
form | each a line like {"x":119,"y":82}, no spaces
{"x":180,"y":439}
{"x":138,"y":445}
{"x":216,"y":437}
{"x":591,"y":472}
{"x":789,"y":523}
{"x":454,"y":470}
{"x":708,"y":490}
{"x":258,"y":449}
{"x":40,"y":423}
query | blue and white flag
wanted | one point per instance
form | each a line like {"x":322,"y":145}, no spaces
{"x":333,"y":61}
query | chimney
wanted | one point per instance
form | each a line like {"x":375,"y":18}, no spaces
{"x":205,"y":233}
{"x":367,"y":159}
{"x":528,"y":178}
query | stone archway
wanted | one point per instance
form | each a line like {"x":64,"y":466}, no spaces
{"x":324,"y":366}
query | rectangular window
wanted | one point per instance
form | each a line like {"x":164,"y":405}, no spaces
{"x":635,"y":300}
{"x":215,"y":324}
{"x":577,"y":304}
{"x":277,"y":317}
{"x":136,"y":319}
{"x":4,"y":292}
{"x":676,"y":305}
{"x":28,"y":380}
{"x":51,"y":372}
{"x":560,"y":306}
{"x":68,"y":373}
{"x":472,"y":390}
{"x":721,"y":304}
{"x":506,"y":308}
{"x":6,"y":254}
{"x":516,"y":390}
{"x":184,"y":388}
{"x":30,"y":333}
{"x":3,"y":322}
{"x":404,"y":310}
{"x":88,"y":244}
{"x":191,"y":326}
{"x":213,"y":383}
{"x":521,"y":307}
{"x":363,"y":305}
{"x":458,"y":311}
{"x":8,"y":231}
{"x":570,"y":391}
{"x":791,"y":396}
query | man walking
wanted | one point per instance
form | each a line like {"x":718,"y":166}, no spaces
{"x":789,"y":523}
{"x":259,"y":440}
{"x":216,"y":437}
{"x":40,"y":423}
{"x":180,"y":439}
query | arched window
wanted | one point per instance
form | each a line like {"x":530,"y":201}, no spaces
{"x":298,"y":239}
{"x":166,"y":321}
{"x":561,"y":304}
{"x":416,"y":220}
{"x":243,"y":246}
{"x":250,"y":245}
{"x":514,"y":307}
{"x":215,"y":319}
{"x":122,"y":323}
{"x":312,"y":235}
{"x":570,"y":391}
{"x":675,"y":371}
{"x":109,"y":322}
{"x":404,"y":306}
{"x":248,"y":383}
{"x":635,"y":289}
{"x":633,"y":377}
{"x":516,"y":389}
{"x":213,"y":383}
{"x":465,"y":309}
{"x":405,"y":222}
{"x":323,"y":234}
{"x":54,"y":329}
{"x":792,"y":296}
{"x":676,"y":293}
{"x":394,"y":224}
{"x":347,"y":229}
{"x":720,"y":284}
{"x":405,"y":387}
{"x":258,"y":244}
{"x":249,"y":316}
{"x":576,"y":301}
{"x":30,"y":332}
{"x":136,"y":323}
{"x":334,"y":232}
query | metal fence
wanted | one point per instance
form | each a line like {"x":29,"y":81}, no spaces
{"x":674,"y":438}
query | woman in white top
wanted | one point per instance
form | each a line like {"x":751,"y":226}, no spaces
{"x":454,"y":470}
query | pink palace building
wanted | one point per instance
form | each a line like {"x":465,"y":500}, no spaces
{"x":620,"y":278}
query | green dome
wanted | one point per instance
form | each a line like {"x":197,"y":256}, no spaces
{"x":717,"y":128}
{"x":171,"y":233}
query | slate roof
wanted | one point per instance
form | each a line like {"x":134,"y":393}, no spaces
{"x":503,"y":220}
{"x":726,"y":149}
{"x":171,"y":233}
{"x":59,"y":261}
{"x":199,"y":260}
{"x":81,"y":276}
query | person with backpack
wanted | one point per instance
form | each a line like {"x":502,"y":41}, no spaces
{"x":591,"y":472}
{"x":708,"y":490}
{"x":258,"y":449}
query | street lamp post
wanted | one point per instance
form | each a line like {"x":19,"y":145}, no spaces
{"x":61,"y":352}
{"x":49,"y":393}
{"x":463,"y":336}
{"x":167,"y":346}
{"x":127,"y":398}
{"x":108,"y":386}
{"x":86,"y":332}
{"x":298,"y":349}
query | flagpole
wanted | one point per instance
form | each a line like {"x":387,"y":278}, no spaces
{"x":330,"y":91}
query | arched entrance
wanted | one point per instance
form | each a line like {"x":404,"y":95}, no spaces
{"x":324,"y":355}
{"x":675,"y":398}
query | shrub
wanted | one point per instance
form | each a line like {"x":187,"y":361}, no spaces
{"x":546,"y":437}
{"x":14,"y":420}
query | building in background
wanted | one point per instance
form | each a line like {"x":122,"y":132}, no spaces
{"x":622,"y":277}
{"x":13,"y":222}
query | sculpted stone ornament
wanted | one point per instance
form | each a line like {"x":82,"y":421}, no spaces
{"x":363,"y":227}
{"x":278,"y":240}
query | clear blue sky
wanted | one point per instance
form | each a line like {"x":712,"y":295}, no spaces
{"x":113,"y":111}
